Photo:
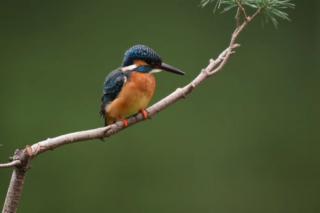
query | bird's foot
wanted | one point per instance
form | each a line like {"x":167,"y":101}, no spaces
{"x":144,"y":113}
{"x":125,"y":123}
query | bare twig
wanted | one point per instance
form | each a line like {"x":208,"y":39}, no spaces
{"x":240,"y":6}
{"x":238,"y":17}
{"x":10,"y":164}
{"x":22,"y":158}
{"x":258,"y":11}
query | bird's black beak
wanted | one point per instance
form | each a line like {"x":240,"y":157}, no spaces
{"x":169,"y":68}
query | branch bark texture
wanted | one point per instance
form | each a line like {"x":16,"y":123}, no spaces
{"x":14,"y":191}
{"x":22,"y":158}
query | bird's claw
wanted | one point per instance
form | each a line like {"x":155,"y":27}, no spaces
{"x":125,"y":123}
{"x":144,"y":113}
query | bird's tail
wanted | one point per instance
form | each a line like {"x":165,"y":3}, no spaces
{"x":104,"y":103}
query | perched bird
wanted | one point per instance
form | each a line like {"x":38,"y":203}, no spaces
{"x":129,"y":89}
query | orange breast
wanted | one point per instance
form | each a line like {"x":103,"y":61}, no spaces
{"x":135,"y":95}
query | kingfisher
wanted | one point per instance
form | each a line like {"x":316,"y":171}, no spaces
{"x":130,"y":88}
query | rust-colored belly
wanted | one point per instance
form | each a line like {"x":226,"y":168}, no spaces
{"x":135,"y":95}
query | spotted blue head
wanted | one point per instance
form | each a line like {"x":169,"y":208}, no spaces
{"x":144,"y":59}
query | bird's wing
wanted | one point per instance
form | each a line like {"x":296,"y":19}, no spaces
{"x":112,"y":87}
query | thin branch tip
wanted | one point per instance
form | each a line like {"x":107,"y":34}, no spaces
{"x":258,"y":11}
{"x":11,"y":164}
{"x":236,"y":45}
{"x":243,"y":10}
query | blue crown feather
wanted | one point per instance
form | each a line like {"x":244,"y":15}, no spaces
{"x":141,"y":52}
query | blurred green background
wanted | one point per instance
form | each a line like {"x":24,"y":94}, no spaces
{"x":246,"y":140}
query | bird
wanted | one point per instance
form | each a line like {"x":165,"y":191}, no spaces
{"x":129,"y":89}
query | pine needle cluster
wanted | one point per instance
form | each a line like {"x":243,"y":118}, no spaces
{"x":272,"y":10}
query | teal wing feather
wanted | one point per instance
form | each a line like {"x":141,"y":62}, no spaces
{"x":111,"y":89}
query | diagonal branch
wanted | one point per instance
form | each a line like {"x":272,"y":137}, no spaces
{"x":22,"y":158}
{"x":105,"y":132}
